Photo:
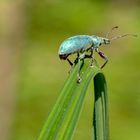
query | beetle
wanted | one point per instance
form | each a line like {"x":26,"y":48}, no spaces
{"x":81,"y":43}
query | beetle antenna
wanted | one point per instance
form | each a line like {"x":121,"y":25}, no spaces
{"x":117,"y":37}
{"x":111,"y":31}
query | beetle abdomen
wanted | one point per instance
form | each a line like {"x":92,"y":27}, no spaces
{"x":75,"y":44}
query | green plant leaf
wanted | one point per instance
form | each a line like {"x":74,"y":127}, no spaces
{"x":100,"y":115}
{"x":64,"y":116}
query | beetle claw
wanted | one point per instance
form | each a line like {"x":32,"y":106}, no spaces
{"x":92,"y":61}
{"x":79,"y":79}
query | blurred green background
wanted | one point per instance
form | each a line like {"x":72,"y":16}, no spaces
{"x":32,"y":75}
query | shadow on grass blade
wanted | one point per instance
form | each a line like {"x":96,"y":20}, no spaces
{"x":100,"y":115}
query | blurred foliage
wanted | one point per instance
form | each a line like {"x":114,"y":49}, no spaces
{"x":51,"y":18}
{"x":42,"y":74}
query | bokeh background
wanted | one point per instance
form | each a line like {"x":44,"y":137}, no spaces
{"x":32,"y":76}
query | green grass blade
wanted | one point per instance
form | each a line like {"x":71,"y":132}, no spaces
{"x":63,"y":118}
{"x":100,"y":116}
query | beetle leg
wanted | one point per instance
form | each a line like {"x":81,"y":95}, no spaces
{"x":70,"y":62}
{"x":78,"y":59}
{"x":79,"y":79}
{"x":78,"y":75}
{"x":92,"y":57}
{"x":103,"y":56}
{"x":88,"y":49}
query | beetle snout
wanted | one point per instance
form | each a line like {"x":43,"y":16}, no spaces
{"x":106,"y":41}
{"x":63,"y":56}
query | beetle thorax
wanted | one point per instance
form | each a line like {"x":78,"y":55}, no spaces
{"x":97,"y":41}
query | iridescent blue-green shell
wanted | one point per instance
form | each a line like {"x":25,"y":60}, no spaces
{"x":75,"y":44}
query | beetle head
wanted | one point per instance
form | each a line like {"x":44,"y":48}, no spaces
{"x":105,"y":41}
